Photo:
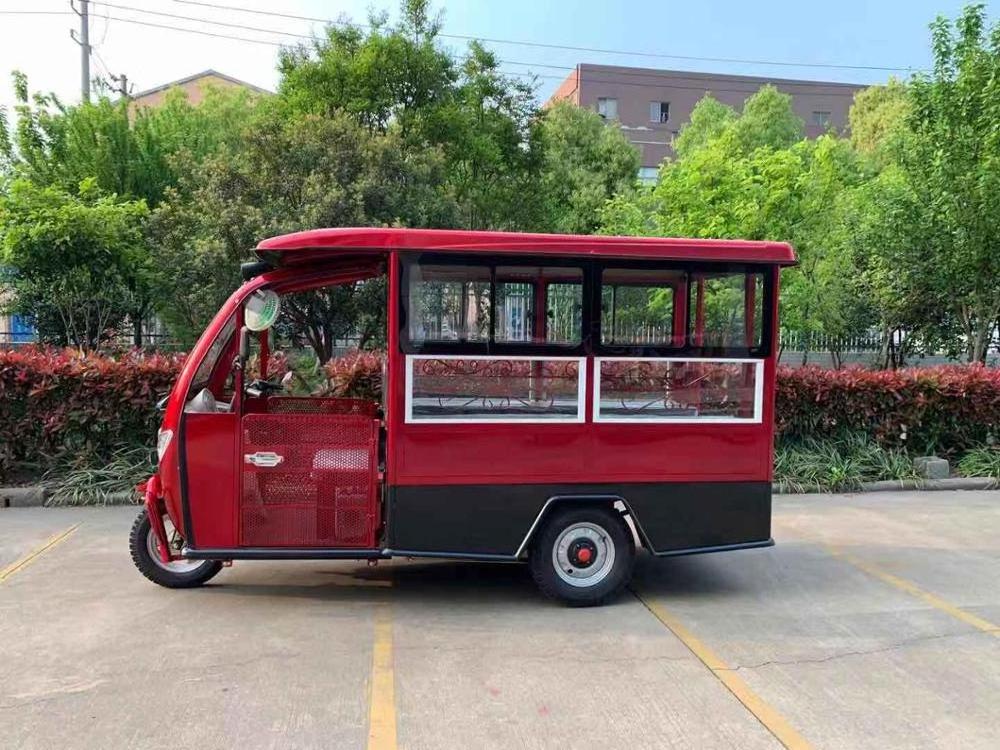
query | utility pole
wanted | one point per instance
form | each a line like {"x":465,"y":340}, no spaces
{"x":123,"y":87}
{"x":84,"y":42}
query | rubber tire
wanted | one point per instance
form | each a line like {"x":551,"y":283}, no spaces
{"x":544,"y":573}
{"x":149,"y":567}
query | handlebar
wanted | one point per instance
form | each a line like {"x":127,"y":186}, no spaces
{"x":259,"y":388}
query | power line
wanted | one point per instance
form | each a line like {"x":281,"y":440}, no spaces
{"x":37,"y":13}
{"x":597,"y":50}
{"x":614,"y":81}
{"x":654,"y":77}
{"x":208,"y":21}
{"x":654,"y":80}
{"x":195,"y":31}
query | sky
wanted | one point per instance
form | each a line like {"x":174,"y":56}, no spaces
{"x":864,"y":34}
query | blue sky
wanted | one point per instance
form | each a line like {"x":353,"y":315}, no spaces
{"x":890,"y":33}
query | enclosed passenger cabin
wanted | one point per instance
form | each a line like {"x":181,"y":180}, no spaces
{"x":523,"y":373}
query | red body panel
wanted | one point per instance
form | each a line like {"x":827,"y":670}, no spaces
{"x":210,"y":441}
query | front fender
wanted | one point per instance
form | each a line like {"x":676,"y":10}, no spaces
{"x":154,"y":511}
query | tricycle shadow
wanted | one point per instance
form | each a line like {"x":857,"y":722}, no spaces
{"x":450,"y":582}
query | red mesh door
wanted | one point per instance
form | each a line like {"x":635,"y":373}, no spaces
{"x":309,"y":480}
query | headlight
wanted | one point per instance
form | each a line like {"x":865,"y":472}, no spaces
{"x":162,"y":441}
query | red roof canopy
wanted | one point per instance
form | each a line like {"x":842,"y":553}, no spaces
{"x":316,"y":245}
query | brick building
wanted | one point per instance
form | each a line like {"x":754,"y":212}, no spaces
{"x":650,"y":106}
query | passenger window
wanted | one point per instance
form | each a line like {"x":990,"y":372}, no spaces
{"x":519,"y":292}
{"x":637,"y":306}
{"x":449,"y":303}
{"x":726,"y":309}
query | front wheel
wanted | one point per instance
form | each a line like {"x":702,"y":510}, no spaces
{"x":178,"y":574}
{"x":583,"y":556}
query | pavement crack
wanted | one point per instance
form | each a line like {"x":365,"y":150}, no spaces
{"x":845,"y":654}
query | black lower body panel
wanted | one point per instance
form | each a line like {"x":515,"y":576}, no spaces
{"x":672,"y":517}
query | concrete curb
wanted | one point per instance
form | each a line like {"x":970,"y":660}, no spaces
{"x":899,"y":485}
{"x":32,"y":496}
{"x":39,"y":495}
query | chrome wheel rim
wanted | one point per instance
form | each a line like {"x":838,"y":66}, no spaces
{"x":576,"y":568}
{"x":176,"y":566}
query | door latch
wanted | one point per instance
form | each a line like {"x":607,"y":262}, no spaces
{"x":263,"y":459}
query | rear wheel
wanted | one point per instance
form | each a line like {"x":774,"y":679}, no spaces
{"x":178,"y":574}
{"x":583,"y":556}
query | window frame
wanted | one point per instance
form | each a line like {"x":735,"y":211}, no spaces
{"x":822,"y":114}
{"x":607,"y":99}
{"x":491,"y":346}
{"x":581,"y":391}
{"x":660,"y":120}
{"x":758,"y":386}
{"x":590,"y":339}
{"x":687,"y":350}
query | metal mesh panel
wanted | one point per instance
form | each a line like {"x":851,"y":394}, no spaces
{"x":322,"y":491}
{"x":304,"y":405}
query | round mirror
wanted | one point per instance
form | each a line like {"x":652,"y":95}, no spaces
{"x":261,"y":310}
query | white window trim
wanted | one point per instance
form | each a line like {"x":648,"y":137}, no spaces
{"x":581,"y":391}
{"x":758,"y":393}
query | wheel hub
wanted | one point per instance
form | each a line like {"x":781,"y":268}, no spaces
{"x":584,"y":554}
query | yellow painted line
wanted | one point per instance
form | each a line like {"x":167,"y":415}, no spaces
{"x":382,"y":701}
{"x":911,"y":588}
{"x":766,"y":714}
{"x":34,"y":554}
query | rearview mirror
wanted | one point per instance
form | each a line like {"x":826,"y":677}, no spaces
{"x":244,"y":346}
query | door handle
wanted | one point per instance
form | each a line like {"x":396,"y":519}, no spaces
{"x":263,"y":459}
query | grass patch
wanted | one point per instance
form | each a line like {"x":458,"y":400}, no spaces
{"x":835,"y":465}
{"x":981,"y":462}
{"x":112,"y":483}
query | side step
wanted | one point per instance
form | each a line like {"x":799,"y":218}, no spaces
{"x":283,"y":553}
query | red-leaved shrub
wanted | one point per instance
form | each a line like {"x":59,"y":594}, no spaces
{"x":944,"y":409}
{"x":355,"y":375}
{"x":62,"y":406}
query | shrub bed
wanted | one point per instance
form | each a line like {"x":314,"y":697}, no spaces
{"x":945,"y":410}
{"x":62,"y":408}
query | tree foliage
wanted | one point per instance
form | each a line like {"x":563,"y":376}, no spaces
{"x":76,"y":263}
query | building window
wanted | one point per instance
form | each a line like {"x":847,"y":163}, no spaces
{"x":607,"y":108}
{"x":649,"y":175}
{"x":659,"y":111}
{"x":821,"y":119}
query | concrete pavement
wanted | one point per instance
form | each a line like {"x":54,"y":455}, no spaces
{"x":870,"y":624}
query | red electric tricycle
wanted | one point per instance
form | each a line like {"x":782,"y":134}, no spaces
{"x":557,"y":400}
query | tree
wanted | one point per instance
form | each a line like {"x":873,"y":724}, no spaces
{"x":75,"y":263}
{"x":931,"y":221}
{"x":136,"y":155}
{"x":954,"y":163}
{"x":752,"y":176}
{"x":709,"y":119}
{"x":383,"y":77}
{"x":878,"y":118}
{"x":292,"y":174}
{"x":585,"y":162}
